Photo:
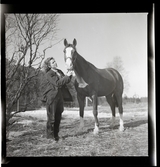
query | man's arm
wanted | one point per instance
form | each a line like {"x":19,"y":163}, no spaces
{"x":54,"y":79}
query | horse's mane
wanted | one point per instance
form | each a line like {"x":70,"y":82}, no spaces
{"x":88,"y":63}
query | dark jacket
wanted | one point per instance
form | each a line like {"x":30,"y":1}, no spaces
{"x":53,"y":84}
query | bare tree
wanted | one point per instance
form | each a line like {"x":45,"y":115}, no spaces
{"x":117,"y":64}
{"x":25,"y":36}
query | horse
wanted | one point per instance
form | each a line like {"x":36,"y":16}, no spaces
{"x":93,"y":82}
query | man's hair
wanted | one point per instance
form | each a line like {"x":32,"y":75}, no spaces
{"x":46,"y":64}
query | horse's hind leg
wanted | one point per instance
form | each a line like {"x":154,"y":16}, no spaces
{"x":95,"y":113}
{"x":112,"y":106}
{"x":120,"y":108}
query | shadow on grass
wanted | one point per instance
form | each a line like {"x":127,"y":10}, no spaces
{"x":135,"y":123}
{"x":88,"y":127}
{"x":132,"y":124}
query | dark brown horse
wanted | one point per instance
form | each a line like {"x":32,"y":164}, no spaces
{"x":93,"y":82}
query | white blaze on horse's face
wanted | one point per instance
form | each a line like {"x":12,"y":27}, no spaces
{"x":69,"y":53}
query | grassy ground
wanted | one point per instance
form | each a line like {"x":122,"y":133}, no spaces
{"x":28,"y":135}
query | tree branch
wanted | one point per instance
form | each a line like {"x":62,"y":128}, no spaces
{"x":30,"y":31}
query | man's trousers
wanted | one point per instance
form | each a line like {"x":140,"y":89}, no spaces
{"x":54,"y":112}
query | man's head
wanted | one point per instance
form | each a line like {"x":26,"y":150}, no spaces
{"x":49,"y":63}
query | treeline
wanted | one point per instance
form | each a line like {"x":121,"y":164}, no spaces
{"x":135,"y":100}
{"x":126,"y":100}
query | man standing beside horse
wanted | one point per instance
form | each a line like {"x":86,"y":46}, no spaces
{"x":53,"y":85}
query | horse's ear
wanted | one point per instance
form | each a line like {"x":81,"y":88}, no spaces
{"x":74,"y":42}
{"x":65,"y":42}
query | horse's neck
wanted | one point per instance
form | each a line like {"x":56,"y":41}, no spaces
{"x":81,"y":62}
{"x":80,"y":65}
{"x":82,"y":70}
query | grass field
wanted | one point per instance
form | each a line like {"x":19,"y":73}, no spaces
{"x":27,"y":137}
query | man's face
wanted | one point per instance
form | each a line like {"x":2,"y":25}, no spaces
{"x":53,"y":64}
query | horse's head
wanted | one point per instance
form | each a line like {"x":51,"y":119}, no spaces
{"x":69,"y":53}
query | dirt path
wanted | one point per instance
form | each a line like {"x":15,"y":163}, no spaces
{"x":28,"y":135}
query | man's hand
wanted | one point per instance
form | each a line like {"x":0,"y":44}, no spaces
{"x":69,"y":73}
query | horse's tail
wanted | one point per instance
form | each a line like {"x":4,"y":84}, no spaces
{"x":115,"y":100}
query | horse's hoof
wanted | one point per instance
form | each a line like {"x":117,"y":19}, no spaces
{"x":95,"y":131}
{"x":121,"y":129}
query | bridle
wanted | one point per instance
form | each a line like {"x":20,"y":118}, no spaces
{"x":71,"y":58}
{"x":68,"y":58}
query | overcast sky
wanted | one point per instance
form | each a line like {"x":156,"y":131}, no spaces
{"x":100,"y":37}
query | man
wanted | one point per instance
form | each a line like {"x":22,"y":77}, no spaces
{"x":54,"y":82}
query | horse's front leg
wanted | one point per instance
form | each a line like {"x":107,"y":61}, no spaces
{"x":95,"y":113}
{"x":81,"y":101}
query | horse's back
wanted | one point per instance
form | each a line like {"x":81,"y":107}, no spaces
{"x":107,"y":73}
{"x":111,"y":74}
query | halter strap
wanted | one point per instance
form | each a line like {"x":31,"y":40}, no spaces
{"x":68,"y":58}
{"x":73,"y":61}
